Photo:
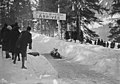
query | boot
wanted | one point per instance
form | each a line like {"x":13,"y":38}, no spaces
{"x":7,"y":54}
{"x":12,"y":56}
{"x":23,"y":63}
{"x":18,"y":57}
{"x":14,"y":62}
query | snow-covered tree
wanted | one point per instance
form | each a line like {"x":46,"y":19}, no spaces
{"x":7,"y":15}
{"x":15,"y":10}
{"x":22,"y":9}
{"x":83,"y":12}
{"x":115,"y":26}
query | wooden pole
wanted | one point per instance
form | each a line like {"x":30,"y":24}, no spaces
{"x":59,"y":25}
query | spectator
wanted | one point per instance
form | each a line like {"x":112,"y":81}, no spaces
{"x":95,"y":43}
{"x":24,"y":40}
{"x":74,"y":35}
{"x":107,"y":44}
{"x":112,"y":44}
{"x":118,"y":46}
{"x":98,"y":41}
{"x":67,"y":36}
{"x":14,"y":36}
{"x":104,"y":44}
{"x":5,"y":33}
{"x":101,"y":42}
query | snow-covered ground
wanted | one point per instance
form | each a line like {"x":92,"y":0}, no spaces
{"x":81,"y":64}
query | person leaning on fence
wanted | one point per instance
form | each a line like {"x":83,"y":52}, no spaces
{"x":24,"y":40}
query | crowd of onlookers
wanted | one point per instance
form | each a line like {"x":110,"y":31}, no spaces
{"x":15,"y":42}
{"x":72,"y":36}
{"x":103,"y":43}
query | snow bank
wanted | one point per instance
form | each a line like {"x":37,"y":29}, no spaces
{"x":99,"y":58}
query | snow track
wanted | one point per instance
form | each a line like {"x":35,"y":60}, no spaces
{"x":82,"y":64}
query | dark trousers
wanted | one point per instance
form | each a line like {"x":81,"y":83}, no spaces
{"x":24,"y":57}
{"x":7,"y":54}
{"x":15,"y":57}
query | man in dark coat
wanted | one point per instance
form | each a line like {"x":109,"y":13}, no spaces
{"x":98,"y":41}
{"x":74,"y":35}
{"x":118,"y":46}
{"x":101,"y":42}
{"x":104,"y":44}
{"x":6,"y":39}
{"x":2,"y":31}
{"x":95,"y":42}
{"x":24,"y":40}
{"x":14,"y":36}
{"x":107,"y":44}
{"x":67,"y":36}
{"x":112,"y":45}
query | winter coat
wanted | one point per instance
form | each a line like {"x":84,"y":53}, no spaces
{"x":107,"y":44}
{"x":118,"y":46}
{"x":104,"y":44}
{"x":6,"y":39}
{"x":95,"y":42}
{"x":112,"y":45}
{"x":24,"y":39}
{"x":74,"y":35}
{"x":14,"y":36}
{"x":67,"y":36}
{"x":101,"y":42}
{"x":98,"y":42}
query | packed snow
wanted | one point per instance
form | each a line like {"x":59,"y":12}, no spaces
{"x":89,"y":61}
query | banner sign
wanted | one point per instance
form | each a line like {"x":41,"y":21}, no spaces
{"x":49,"y":15}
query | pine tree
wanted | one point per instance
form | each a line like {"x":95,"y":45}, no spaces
{"x":82,"y":11}
{"x":115,"y":25}
{"x":14,"y":10}
{"x":22,"y":10}
{"x":6,"y":12}
{"x":46,"y":6}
